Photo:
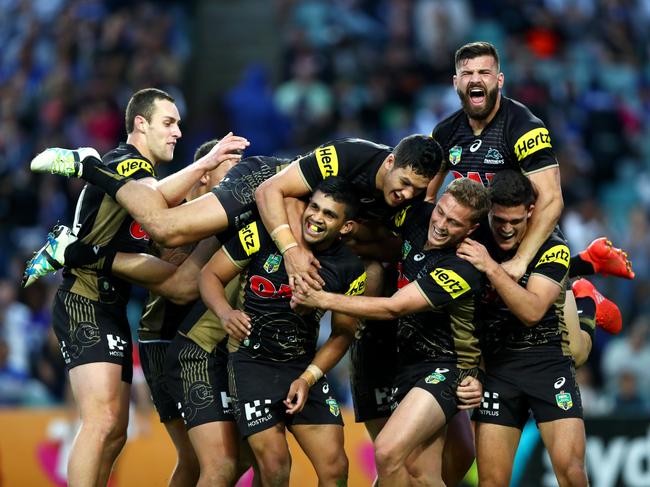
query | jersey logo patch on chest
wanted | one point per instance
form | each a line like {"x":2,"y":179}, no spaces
{"x":454,"y":154}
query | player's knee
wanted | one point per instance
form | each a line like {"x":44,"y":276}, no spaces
{"x":107,"y":425}
{"x":222,"y":472}
{"x":493,"y":477}
{"x":275,"y":466}
{"x":387,"y":457}
{"x":335,"y":469}
{"x":572,"y":473}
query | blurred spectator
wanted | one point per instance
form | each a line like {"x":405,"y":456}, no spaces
{"x":629,"y":355}
{"x":627,"y":400}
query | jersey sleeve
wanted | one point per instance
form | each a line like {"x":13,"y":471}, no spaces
{"x":552,"y":261}
{"x":451,"y":279}
{"x":530,"y":141}
{"x":242,"y":246}
{"x":330,"y":159}
{"x":135,"y":167}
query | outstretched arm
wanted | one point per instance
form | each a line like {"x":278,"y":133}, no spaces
{"x":175,"y":187}
{"x":407,"y":300}
{"x":176,"y":281}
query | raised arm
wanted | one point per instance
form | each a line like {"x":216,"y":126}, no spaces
{"x":546,"y":214}
{"x":175,"y":187}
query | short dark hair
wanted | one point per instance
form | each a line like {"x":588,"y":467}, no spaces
{"x":475,"y":49}
{"x":142,"y":103}
{"x":471,"y":194}
{"x":422,"y":153}
{"x":204,"y":148}
{"x":511,"y":188}
{"x":340,"y":190}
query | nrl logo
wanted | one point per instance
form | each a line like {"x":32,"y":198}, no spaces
{"x":454,"y":154}
{"x":564,"y":400}
{"x":272,"y":263}
{"x":334,"y":406}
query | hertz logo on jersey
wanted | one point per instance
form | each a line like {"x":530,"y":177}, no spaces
{"x":559,"y":254}
{"x":328,"y":161}
{"x":358,"y":286}
{"x":130,"y":166}
{"x":531,"y":142}
{"x":250,"y":238}
{"x":400,"y":217}
{"x":450,"y":282}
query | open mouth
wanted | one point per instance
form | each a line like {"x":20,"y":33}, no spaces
{"x":476,"y":95}
{"x":313,"y":229}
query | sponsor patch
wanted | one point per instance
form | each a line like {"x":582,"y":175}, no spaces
{"x":137,"y":232}
{"x":272,"y":263}
{"x":434,"y":378}
{"x":531,"y":142}
{"x":250,"y":238}
{"x":131,"y":166}
{"x":358,"y":286}
{"x":328,"y":161}
{"x":400,"y":217}
{"x":334,"y":406}
{"x":558,"y":254}
{"x":454,"y":154}
{"x":564,"y":400}
{"x":451,"y":282}
{"x":406,"y":249}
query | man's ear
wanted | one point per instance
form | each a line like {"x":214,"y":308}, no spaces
{"x":140,"y":123}
{"x":205,"y":179}
{"x":474,"y":227}
{"x":530,"y":210}
{"x":347,"y":227}
{"x":389,"y":161}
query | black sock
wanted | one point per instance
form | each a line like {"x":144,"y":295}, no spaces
{"x":587,"y":314}
{"x":89,"y":256}
{"x":580,"y":267}
{"x":95,"y":172}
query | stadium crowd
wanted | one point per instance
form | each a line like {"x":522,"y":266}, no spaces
{"x":376,"y":70}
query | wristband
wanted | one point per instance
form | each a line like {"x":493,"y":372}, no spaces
{"x":278,"y":228}
{"x":312,"y":374}
{"x":290,"y":246}
{"x":283,"y":238}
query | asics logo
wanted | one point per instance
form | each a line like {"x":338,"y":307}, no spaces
{"x":559,"y":382}
{"x":475,"y":146}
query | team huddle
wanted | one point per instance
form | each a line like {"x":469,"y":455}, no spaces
{"x":459,"y":304}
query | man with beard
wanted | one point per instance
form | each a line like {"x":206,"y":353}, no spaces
{"x":492,"y":133}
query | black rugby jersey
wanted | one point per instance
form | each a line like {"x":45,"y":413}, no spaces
{"x":502,"y":331}
{"x":356,"y":160}
{"x":161,"y":317}
{"x":451,"y":285}
{"x":514,"y":139}
{"x":278,"y":333}
{"x":99,"y":220}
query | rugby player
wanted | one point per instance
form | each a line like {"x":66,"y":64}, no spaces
{"x":526,"y":350}
{"x":276,"y":374}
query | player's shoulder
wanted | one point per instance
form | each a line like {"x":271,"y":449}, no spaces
{"x":446,"y":126}
{"x":555,"y":249}
{"x":354,"y":143}
{"x":416,"y":213}
{"x":252,"y":238}
{"x":518,"y":113}
{"x":126,"y":160}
